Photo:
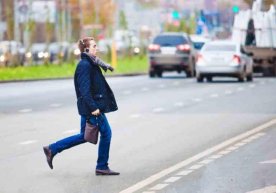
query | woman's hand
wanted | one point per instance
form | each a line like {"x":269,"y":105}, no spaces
{"x":96,"y":113}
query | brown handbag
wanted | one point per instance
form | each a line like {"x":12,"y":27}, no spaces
{"x":91,"y":133}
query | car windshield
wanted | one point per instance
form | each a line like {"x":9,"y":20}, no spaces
{"x":169,"y":40}
{"x":219,"y":48}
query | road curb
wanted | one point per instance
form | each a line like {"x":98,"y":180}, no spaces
{"x":65,"y":78}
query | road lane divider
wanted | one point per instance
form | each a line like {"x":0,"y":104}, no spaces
{"x":232,"y":143}
{"x":25,"y":110}
{"x":28,"y":142}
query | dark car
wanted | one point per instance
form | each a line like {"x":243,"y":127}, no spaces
{"x":171,"y":51}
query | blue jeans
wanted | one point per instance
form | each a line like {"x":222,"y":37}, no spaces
{"x":104,"y":144}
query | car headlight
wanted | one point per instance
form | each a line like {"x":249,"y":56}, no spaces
{"x":28,"y":55}
{"x":46,"y":54}
{"x":77,"y":52}
{"x":40,"y":54}
{"x":136,"y":50}
{"x":2,"y":58}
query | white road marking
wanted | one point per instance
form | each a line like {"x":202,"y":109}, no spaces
{"x":252,"y":85}
{"x":127,"y":92}
{"x":179,"y":104}
{"x":197,"y":99}
{"x":195,"y":167}
{"x":268,"y":189}
{"x":55,"y":105}
{"x":269,"y":162}
{"x":158,"y":110}
{"x":25,"y":110}
{"x":240,"y":144}
{"x":161,"y":86}
{"x":206,"y":161}
{"x":240,"y":89}
{"x":215,"y":156}
{"x":149,"y":192}
{"x":135,"y":115}
{"x":172,"y":179}
{"x":196,"y":157}
{"x":225,"y":152}
{"x":70,"y":131}
{"x":232,"y":148}
{"x":184,"y":172}
{"x":175,"y":83}
{"x":228,"y":92}
{"x":159,"y":187}
{"x":28,"y":142}
{"x":144,"y":89}
{"x":214,"y":95}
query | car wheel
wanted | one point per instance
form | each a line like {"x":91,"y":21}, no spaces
{"x":209,"y":78}
{"x":159,"y":74}
{"x":249,"y":78}
{"x":151,"y":74}
{"x":199,"y":79}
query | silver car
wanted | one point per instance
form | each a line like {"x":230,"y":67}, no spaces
{"x":171,"y":51}
{"x":224,"y":58}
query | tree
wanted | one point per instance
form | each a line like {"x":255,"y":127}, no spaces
{"x":122,"y":20}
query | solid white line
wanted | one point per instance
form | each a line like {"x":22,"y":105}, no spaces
{"x":206,"y":161}
{"x":215,"y":156}
{"x":240,"y":144}
{"x":232,"y":148}
{"x":159,"y":187}
{"x":195,"y":167}
{"x":184,"y":172}
{"x":172,"y":179}
{"x":225,"y":152}
{"x":268,"y":189}
{"x":28,"y":142}
{"x":196,"y":157}
{"x":149,"y":192}
{"x":25,"y":110}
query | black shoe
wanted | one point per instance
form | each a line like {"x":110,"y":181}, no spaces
{"x":49,"y":156}
{"x":106,"y":172}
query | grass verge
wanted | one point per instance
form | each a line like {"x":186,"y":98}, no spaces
{"x":126,"y":65}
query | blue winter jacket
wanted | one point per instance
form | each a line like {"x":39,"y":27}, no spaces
{"x":92,"y":90}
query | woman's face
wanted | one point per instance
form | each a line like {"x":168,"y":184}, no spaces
{"x":93,"y":48}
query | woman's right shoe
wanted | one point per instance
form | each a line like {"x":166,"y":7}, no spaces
{"x":49,"y":156}
{"x":106,"y":172}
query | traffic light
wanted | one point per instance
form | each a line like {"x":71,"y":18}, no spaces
{"x":175,"y":15}
{"x":235,"y":9}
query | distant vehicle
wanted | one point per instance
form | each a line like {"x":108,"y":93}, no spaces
{"x":199,"y":41}
{"x":39,"y":53}
{"x":256,"y":30}
{"x":224,"y":58}
{"x":12,"y":53}
{"x":58,"y":51}
{"x":171,"y":51}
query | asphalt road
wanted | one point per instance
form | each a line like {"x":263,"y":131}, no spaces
{"x":163,"y":133}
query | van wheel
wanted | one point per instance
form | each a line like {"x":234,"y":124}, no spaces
{"x":159,"y":74}
{"x":199,"y":79}
{"x":249,"y":78}
{"x":209,"y":78}
{"x":151,"y":74}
